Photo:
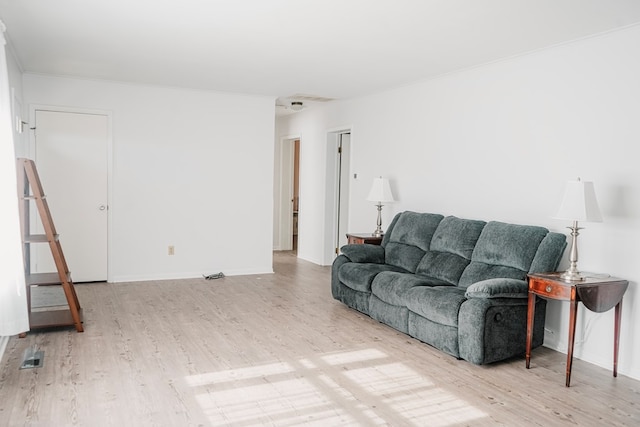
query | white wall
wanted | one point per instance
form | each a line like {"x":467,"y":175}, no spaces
{"x":498,"y":142}
{"x":15,"y":85}
{"x":190,"y":169}
{"x":17,"y":104}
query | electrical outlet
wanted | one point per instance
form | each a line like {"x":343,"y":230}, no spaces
{"x":172,"y":250}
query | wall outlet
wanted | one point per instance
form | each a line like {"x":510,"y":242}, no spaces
{"x":171,"y":250}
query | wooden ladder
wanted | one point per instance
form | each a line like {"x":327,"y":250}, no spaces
{"x":30,"y":190}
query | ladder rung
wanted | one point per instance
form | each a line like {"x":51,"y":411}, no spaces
{"x":44,"y":279}
{"x":33,"y":197}
{"x":39,"y":238}
{"x":54,"y":318}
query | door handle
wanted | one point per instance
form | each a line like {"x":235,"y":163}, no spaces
{"x":102,"y":207}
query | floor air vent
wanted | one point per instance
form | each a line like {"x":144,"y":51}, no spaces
{"x":32,"y":359}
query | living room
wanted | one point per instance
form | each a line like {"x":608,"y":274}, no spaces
{"x":495,"y":140}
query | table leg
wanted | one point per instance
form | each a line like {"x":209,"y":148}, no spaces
{"x":616,"y":337}
{"x":573,"y":311}
{"x":531,"y":308}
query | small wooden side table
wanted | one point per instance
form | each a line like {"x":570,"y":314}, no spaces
{"x":598,"y":294}
{"x":362,"y":238}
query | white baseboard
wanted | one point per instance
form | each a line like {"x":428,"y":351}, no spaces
{"x":3,"y":345}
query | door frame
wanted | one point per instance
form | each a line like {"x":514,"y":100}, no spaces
{"x":79,"y":110}
{"x":332,"y":193}
{"x":285,"y":217}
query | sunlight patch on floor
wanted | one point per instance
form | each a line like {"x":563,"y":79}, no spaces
{"x":284,"y":403}
{"x":362,"y":387}
{"x":353,"y":356}
{"x":239,"y":374}
{"x":415,"y":397}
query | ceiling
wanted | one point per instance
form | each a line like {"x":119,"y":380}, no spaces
{"x":321,"y":48}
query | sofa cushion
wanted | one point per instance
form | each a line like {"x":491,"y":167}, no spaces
{"x":549,"y":253}
{"x":440,"y":304}
{"x":360,"y":276}
{"x":442,"y":265}
{"x":498,"y":288}
{"x":457,"y":236}
{"x":477,"y":271}
{"x":409,"y":239}
{"x":390,"y":286}
{"x":451,"y":248}
{"x":509,"y":245}
{"x":404,"y":256}
{"x":503,"y":250}
{"x":364,"y":253}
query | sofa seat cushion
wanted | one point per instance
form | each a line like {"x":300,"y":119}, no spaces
{"x":360,"y":276}
{"x":440,"y":304}
{"x":390,"y":286}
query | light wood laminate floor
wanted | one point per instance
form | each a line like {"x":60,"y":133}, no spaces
{"x":277,"y":350}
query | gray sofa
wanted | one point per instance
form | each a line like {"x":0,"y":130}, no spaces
{"x":456,"y":284}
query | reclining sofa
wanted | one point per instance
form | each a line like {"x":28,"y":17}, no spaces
{"x":456,"y":284}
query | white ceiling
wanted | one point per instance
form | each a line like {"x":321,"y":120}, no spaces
{"x":327,"y":48}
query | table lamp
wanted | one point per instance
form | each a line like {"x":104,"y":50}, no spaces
{"x":381,"y":193}
{"x":579,"y":204}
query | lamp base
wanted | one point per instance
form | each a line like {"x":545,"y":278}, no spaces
{"x":572,"y":276}
{"x":378,"y":232}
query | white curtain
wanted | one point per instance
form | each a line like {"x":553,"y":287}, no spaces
{"x":14,"y":318}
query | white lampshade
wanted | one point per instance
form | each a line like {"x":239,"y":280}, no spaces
{"x":380,"y":191}
{"x":579,"y":203}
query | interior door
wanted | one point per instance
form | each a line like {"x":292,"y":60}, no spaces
{"x":71,"y":154}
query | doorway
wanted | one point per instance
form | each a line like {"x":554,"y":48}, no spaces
{"x":288,"y":235}
{"x":71,"y":151}
{"x":296,"y":193}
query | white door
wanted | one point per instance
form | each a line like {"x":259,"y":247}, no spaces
{"x":71,"y":152}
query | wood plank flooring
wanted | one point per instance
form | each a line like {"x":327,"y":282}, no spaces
{"x":278,"y":350}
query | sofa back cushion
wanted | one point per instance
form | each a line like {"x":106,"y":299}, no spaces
{"x":549,"y":253}
{"x":503,"y":250}
{"x":408,"y":239}
{"x":451,"y":248}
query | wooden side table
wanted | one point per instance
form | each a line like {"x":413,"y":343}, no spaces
{"x":362,"y":238}
{"x":598,"y":294}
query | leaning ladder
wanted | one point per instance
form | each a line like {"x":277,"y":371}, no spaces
{"x":30,"y":190}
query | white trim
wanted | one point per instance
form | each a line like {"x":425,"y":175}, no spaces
{"x":79,"y":110}
{"x":331,"y":224}
{"x":187,"y":275}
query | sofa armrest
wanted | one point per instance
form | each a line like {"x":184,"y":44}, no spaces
{"x":498,"y":288}
{"x":364,"y":253}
